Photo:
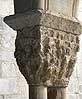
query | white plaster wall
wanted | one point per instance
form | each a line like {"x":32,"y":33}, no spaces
{"x":12,"y":83}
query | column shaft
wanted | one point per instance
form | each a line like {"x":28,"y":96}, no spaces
{"x":56,"y":93}
{"x":37,"y":92}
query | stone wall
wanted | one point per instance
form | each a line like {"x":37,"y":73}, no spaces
{"x":12,"y":83}
{"x":75,"y":85}
{"x":74,"y":90}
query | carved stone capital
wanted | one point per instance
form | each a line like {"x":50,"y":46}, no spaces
{"x":46,"y":47}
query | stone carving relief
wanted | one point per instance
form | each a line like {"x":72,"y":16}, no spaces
{"x":45,"y":55}
{"x":46,"y":52}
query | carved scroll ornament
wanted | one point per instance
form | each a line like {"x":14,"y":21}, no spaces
{"x":46,"y":48}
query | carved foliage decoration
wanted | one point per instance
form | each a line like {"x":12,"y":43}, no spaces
{"x":45,"y":55}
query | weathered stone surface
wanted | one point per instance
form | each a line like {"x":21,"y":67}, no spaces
{"x":20,"y":21}
{"x":32,"y":18}
{"x":46,"y":55}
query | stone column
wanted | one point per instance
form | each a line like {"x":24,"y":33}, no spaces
{"x":56,"y":93}
{"x":46,"y":47}
{"x":37,"y":92}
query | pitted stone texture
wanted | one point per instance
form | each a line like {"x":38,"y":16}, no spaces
{"x":20,"y":21}
{"x":27,"y":52}
{"x":45,"y":55}
{"x":58,"y":50}
{"x":45,"y":47}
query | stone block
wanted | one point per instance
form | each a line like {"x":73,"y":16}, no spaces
{"x":6,"y":41}
{"x":80,"y":89}
{"x":8,"y":86}
{"x":80,"y":96}
{"x":73,"y":87}
{"x":14,"y":96}
{"x":1,"y":97}
{"x":61,"y":7}
{"x":1,"y":23}
{"x":6,"y":7}
{"x":7,"y":56}
{"x":10,"y":68}
{"x":71,"y":96}
{"x":19,"y":21}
